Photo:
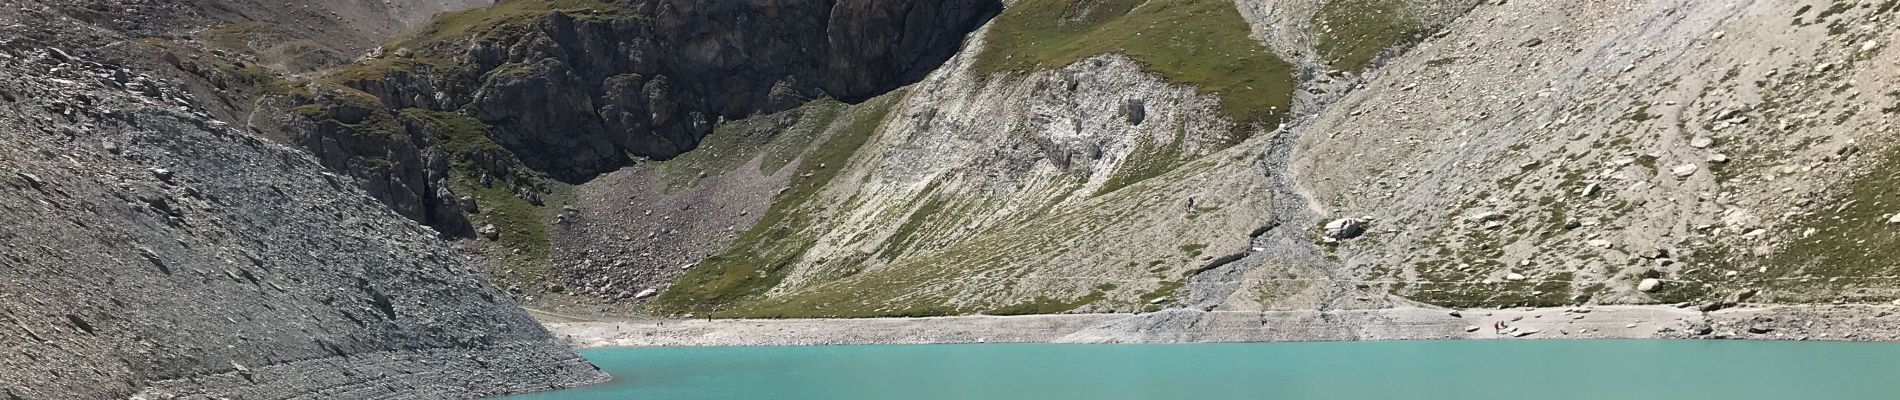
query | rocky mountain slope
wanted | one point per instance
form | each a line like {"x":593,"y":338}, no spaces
{"x":784,"y":159}
{"x":153,"y":251}
{"x":1350,"y":154}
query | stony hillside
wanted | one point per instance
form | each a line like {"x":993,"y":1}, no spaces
{"x":783,"y":159}
{"x":1111,"y":156}
{"x":153,"y":251}
{"x":1076,"y":156}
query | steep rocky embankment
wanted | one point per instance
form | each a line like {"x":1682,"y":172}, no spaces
{"x":152,"y":250}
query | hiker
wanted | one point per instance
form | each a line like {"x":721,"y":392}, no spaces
{"x":1498,"y":327}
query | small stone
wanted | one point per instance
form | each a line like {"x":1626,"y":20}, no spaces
{"x":1869,"y":46}
{"x":1649,"y":285}
{"x":1718,"y":158}
{"x":650,"y":292}
{"x":1701,"y":142}
{"x":1592,"y":190}
{"x":1685,"y":170}
{"x":1471,"y":329}
{"x":489,"y":232}
{"x":1515,"y":277}
{"x":1895,"y":219}
{"x":162,"y":174}
{"x":1455,"y":314}
{"x":1760,"y":329}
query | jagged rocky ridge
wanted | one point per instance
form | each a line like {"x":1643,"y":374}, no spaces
{"x":152,"y":251}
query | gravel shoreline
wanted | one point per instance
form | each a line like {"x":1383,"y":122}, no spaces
{"x":1840,"y":322}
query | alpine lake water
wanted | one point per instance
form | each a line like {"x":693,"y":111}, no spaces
{"x":1515,"y":370}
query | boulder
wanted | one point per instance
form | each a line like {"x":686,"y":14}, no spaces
{"x":1895,"y":219}
{"x":489,"y":232}
{"x":1345,"y":228}
{"x":650,"y":292}
{"x":1685,"y":170}
{"x":1514,"y":277}
{"x":1649,"y":285}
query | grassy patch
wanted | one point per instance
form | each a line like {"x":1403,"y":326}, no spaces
{"x":524,"y":231}
{"x":1194,"y":249}
{"x":458,"y":134}
{"x":1165,"y":291}
{"x":735,"y":144}
{"x":761,"y":257}
{"x":505,"y":16}
{"x":1852,"y":240}
{"x":1147,"y":161}
{"x":1199,"y":42}
{"x":1045,"y":305}
{"x":352,"y":110}
{"x":380,"y":70}
{"x":788,"y":146}
{"x":1352,"y":33}
{"x":233,"y":37}
{"x":523,"y":226}
{"x":926,"y":213}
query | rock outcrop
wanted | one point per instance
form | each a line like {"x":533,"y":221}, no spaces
{"x":149,"y":250}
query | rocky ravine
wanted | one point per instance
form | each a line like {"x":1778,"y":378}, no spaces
{"x":152,"y":251}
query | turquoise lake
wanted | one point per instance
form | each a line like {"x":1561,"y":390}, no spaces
{"x":1515,"y":370}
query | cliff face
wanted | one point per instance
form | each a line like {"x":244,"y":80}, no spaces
{"x":151,"y":250}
